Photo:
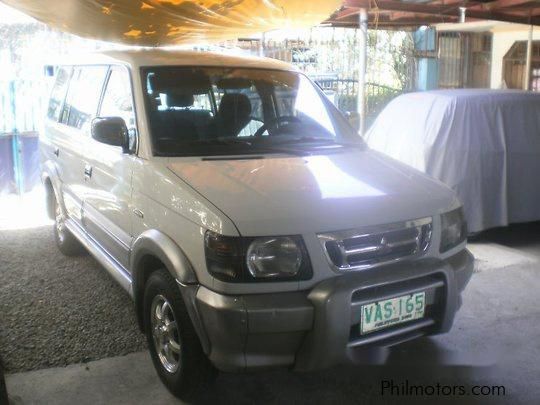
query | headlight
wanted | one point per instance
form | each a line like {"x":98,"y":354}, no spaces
{"x":240,"y":260}
{"x":453,"y":229}
{"x":273,"y":257}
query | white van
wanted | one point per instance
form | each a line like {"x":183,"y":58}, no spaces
{"x":248,"y":221}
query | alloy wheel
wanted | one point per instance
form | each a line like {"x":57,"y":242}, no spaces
{"x":59,"y":223}
{"x":165,"y":333}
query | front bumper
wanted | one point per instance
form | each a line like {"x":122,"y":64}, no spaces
{"x":319,"y":328}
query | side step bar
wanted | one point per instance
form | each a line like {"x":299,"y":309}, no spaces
{"x":116,"y":270}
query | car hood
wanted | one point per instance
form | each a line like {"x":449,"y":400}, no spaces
{"x":296,"y":195}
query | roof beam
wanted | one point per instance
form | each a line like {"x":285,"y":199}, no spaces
{"x":447,"y":9}
{"x":503,"y":4}
{"x":346,"y":12}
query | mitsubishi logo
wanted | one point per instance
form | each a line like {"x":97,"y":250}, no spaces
{"x":384,"y":244}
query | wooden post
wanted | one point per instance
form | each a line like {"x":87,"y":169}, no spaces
{"x":527,"y":75}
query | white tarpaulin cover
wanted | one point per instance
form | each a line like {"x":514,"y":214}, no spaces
{"x":484,"y":144}
{"x":172,"y":22}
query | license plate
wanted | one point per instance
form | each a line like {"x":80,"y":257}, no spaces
{"x":386,"y":313}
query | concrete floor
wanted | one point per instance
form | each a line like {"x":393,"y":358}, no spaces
{"x":495,"y":342}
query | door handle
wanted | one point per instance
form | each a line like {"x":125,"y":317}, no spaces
{"x":87,"y":171}
{"x":56,"y":151}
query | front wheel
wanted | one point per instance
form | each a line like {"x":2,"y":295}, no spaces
{"x":66,"y":242}
{"x":174,"y":345}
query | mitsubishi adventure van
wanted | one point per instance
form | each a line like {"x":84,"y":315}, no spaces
{"x":249,"y":222}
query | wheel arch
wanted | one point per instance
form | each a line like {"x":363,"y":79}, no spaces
{"x":151,"y":251}
{"x":51,"y":182}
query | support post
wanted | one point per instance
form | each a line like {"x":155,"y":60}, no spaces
{"x":527,"y":75}
{"x":362,"y":43}
{"x":16,"y":145}
{"x":261,"y":44}
{"x":462,"y":14}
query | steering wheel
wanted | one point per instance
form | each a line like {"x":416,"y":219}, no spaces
{"x":274,"y":123}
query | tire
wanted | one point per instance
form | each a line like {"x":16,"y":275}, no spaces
{"x":3,"y":390}
{"x":183,"y":368}
{"x":66,"y":242}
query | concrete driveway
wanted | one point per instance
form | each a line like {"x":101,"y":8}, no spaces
{"x":493,"y":348}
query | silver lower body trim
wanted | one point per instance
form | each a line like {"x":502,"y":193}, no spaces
{"x":115,"y":269}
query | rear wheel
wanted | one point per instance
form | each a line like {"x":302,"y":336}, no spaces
{"x":66,"y":242}
{"x":174,"y":345}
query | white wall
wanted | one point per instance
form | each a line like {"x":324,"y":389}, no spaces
{"x":502,"y":42}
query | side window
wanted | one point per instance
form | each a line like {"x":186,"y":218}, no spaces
{"x":202,"y":102}
{"x":118,"y":101}
{"x":83,"y":96}
{"x":58,"y":93}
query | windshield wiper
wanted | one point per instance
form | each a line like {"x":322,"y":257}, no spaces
{"x":220,"y":141}
{"x":311,"y":140}
{"x":254,"y":146}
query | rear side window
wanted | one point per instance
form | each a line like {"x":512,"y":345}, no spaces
{"x":58,"y":93}
{"x":83,"y":95}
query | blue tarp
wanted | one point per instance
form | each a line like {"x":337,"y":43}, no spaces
{"x":19,"y":163}
{"x":7,"y":167}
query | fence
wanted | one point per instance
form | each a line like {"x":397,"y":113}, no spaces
{"x":346,"y":93}
{"x":391,"y":66}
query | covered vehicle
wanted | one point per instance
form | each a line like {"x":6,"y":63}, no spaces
{"x":484,"y":144}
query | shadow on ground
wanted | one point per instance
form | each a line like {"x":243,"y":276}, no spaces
{"x":519,"y":236}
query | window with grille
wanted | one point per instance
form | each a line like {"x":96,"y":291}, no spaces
{"x":515,"y":65}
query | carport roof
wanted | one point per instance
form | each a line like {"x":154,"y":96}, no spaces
{"x":396,"y":14}
{"x":173,"y":22}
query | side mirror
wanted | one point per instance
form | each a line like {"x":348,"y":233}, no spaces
{"x":111,"y":131}
{"x":354,"y":119}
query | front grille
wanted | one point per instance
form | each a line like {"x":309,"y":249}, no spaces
{"x":374,"y":246}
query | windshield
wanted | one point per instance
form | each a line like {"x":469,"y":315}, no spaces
{"x":216,"y":111}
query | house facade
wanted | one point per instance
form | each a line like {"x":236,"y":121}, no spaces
{"x":478,"y":55}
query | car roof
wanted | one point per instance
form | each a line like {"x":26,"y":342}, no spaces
{"x":142,"y":57}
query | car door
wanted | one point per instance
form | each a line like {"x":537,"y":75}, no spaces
{"x":72,"y":132}
{"x":53,"y":133}
{"x":108,"y":193}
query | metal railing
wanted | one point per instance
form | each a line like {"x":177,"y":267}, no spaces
{"x":346,"y":93}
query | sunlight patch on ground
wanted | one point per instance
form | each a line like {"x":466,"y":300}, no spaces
{"x":24,"y":211}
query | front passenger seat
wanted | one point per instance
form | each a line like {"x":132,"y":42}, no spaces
{"x":234,"y":113}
